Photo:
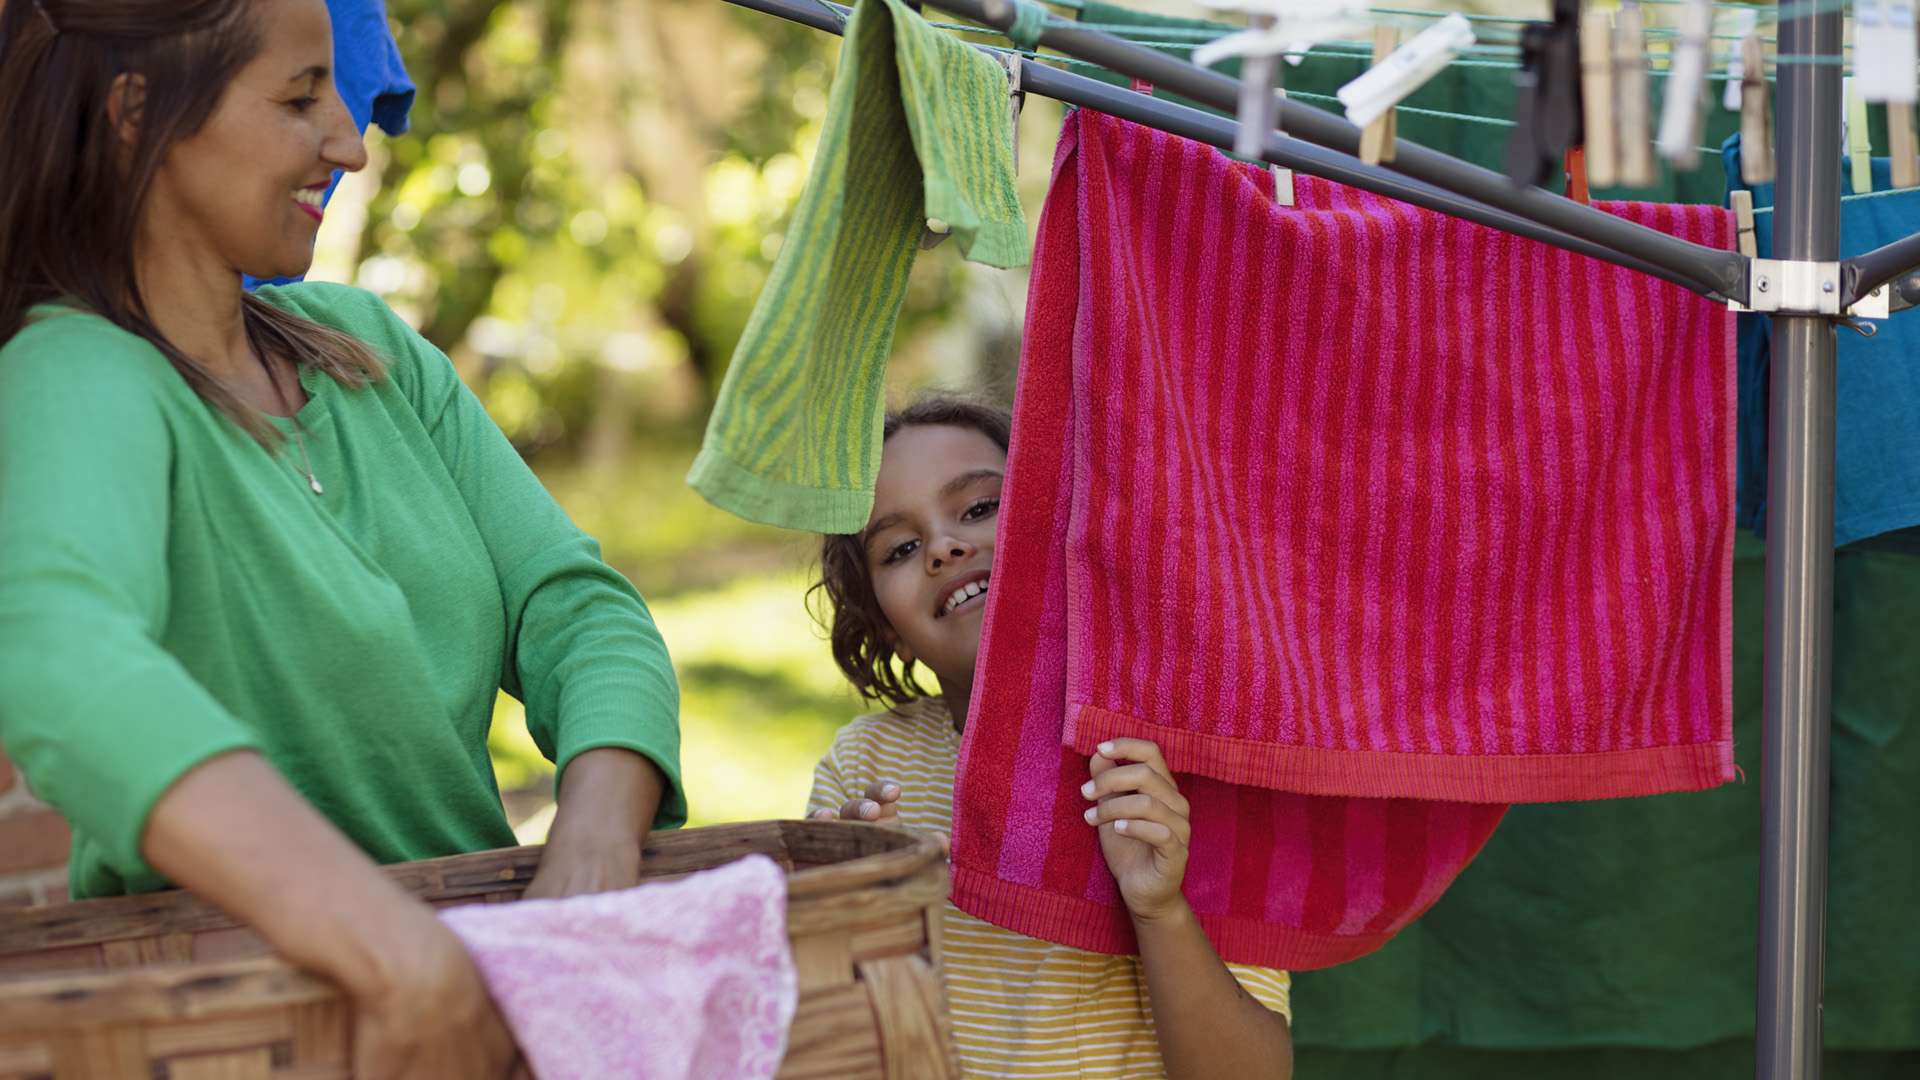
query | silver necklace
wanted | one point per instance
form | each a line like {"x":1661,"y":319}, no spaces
{"x":299,"y":431}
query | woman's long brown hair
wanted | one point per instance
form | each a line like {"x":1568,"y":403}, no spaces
{"x":71,"y":192}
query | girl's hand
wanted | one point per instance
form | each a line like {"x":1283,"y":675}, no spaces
{"x":880,"y":807}
{"x":1143,"y":825}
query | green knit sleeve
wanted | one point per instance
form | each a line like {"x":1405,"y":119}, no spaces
{"x":101,"y":719}
{"x":583,"y":653}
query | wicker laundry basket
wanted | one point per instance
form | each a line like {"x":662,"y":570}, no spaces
{"x":165,"y":987}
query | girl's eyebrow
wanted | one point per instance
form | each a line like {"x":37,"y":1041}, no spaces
{"x":959,"y":482}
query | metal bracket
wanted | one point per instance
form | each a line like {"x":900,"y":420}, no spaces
{"x":1777,"y":286}
{"x":1877,"y":304}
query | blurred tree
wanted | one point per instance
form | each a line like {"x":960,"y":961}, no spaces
{"x":589,"y":201}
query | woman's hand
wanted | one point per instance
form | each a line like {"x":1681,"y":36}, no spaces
{"x":1143,"y":825}
{"x":607,"y":802}
{"x":235,"y":832}
{"x":425,"y":1013}
{"x":881,"y":806}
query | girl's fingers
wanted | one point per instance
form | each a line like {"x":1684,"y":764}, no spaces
{"x":823,"y":815}
{"x":1140,"y":750}
{"x":1123,"y":779}
{"x":1152,"y":833}
{"x":1139,"y":808}
{"x":860,"y":810}
{"x":882,"y":791}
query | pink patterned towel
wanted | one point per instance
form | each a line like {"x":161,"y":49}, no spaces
{"x":1374,"y":520}
{"x":1368,"y":500}
{"x":689,"y":978}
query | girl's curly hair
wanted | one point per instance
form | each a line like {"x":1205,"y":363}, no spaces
{"x":857,"y":631}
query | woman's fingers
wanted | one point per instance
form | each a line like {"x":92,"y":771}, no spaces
{"x":869,"y":810}
{"x":883,"y":791}
{"x":1122,"y":779}
{"x":1142,"y":809}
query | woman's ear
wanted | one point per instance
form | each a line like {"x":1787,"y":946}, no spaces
{"x":124,"y":105}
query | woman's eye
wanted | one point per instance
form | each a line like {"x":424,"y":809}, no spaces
{"x":303,"y":104}
{"x":981,"y":510}
{"x":899,"y":551}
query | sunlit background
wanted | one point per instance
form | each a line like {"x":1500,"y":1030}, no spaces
{"x":589,"y":200}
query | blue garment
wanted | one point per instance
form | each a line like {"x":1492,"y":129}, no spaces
{"x":1877,"y":429}
{"x":370,"y":75}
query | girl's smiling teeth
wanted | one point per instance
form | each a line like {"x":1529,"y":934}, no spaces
{"x":963,"y":594}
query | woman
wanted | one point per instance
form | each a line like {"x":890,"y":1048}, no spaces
{"x":264,"y":562}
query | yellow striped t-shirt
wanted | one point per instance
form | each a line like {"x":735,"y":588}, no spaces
{"x":1021,"y":1007}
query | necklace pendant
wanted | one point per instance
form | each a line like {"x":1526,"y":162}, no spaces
{"x":315,"y":485}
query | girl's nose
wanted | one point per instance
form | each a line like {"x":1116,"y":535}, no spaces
{"x":947,"y":551}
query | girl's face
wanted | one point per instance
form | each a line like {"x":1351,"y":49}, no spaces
{"x":929,"y":543}
{"x":244,"y":190}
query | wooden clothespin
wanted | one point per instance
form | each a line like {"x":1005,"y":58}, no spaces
{"x":1574,"y":165}
{"x":1377,"y":138}
{"x":1632,"y":126}
{"x":1756,"y":115}
{"x":1547,"y":95}
{"x":1859,"y":139}
{"x":1686,"y":86}
{"x":1885,"y":56}
{"x":1742,"y":202}
{"x":1397,"y":72}
{"x":1016,"y":101}
{"x":1900,"y":145}
{"x":1596,"y":97}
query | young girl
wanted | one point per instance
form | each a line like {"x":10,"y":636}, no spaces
{"x":912,"y":587}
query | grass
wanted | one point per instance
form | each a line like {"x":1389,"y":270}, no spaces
{"x":760,"y":701}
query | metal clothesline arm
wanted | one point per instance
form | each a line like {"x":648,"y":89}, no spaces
{"x":1218,"y":131}
{"x":1709,"y":271}
{"x":1869,"y":270}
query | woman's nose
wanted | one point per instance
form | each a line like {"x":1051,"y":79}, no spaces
{"x":344,"y":148}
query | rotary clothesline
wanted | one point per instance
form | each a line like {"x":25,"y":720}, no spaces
{"x":1816,"y":290}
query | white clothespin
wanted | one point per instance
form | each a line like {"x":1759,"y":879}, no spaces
{"x":1630,"y":118}
{"x":1596,"y":96}
{"x":1397,"y":73}
{"x":1859,"y":139}
{"x":1885,"y":54}
{"x":1278,"y":27}
{"x":1756,"y":115}
{"x":1282,"y":176}
{"x":1275,"y":26}
{"x":1686,"y":82}
{"x":1745,"y":24}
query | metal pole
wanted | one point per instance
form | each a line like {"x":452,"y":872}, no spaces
{"x":1799,"y":632}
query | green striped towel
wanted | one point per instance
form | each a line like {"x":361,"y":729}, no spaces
{"x":916,"y":129}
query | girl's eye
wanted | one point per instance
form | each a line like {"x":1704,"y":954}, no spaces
{"x":981,"y":510}
{"x":899,"y":551}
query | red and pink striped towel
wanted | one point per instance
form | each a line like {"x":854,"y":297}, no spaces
{"x":1375,"y":520}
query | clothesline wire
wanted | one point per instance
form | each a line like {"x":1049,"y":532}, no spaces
{"x":1158,"y":37}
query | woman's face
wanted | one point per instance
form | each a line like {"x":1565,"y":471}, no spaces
{"x":245,"y":189}
{"x":929,"y":543}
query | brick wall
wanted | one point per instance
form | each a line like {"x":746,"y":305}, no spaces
{"x":33,"y":845}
